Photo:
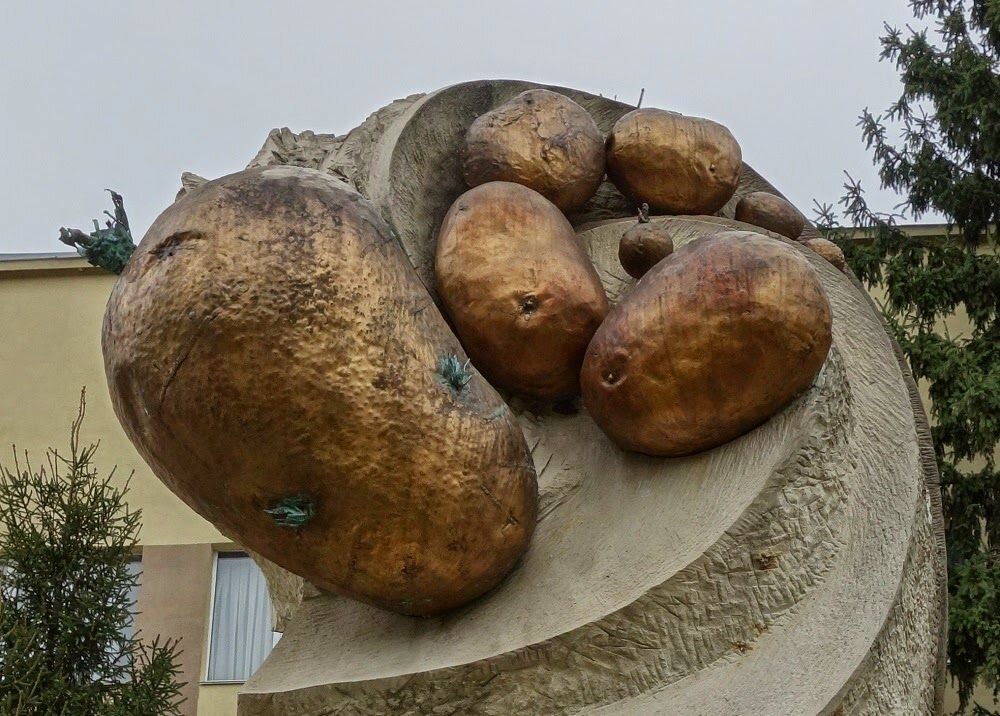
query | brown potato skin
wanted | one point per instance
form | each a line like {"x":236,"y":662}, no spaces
{"x":642,"y":247}
{"x":541,"y":139}
{"x":770,"y":212}
{"x":676,"y":164}
{"x":829,"y":251}
{"x":268,"y":338}
{"x":713,"y":341}
{"x":519,"y":288}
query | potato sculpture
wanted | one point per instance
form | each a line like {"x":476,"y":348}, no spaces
{"x":543,"y":140}
{"x":276,"y":361}
{"x":770,"y":212}
{"x":644,"y":245}
{"x":519,"y":288}
{"x":676,"y":164}
{"x":829,"y":251}
{"x":713,"y":341}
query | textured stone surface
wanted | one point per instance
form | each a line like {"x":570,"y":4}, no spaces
{"x":797,"y":570}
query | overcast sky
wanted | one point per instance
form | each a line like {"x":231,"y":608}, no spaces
{"x":128,"y":95}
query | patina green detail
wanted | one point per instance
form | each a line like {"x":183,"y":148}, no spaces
{"x":454,"y":373}
{"x":109,"y":248}
{"x":293,"y":511}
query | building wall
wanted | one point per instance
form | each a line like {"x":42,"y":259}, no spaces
{"x":50,"y":324}
{"x":50,"y":320}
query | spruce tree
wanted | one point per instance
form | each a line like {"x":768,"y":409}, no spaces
{"x":66,"y":540}
{"x":938,"y":147}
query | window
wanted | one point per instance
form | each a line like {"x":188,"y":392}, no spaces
{"x":240,"y":636}
{"x":128,"y":628}
{"x":134,"y":569}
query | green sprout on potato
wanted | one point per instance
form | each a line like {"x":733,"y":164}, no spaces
{"x":454,"y":373}
{"x":293,"y":511}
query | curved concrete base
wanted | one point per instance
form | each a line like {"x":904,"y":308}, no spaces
{"x":798,"y":569}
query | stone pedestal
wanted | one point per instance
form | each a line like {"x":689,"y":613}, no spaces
{"x":796,"y":570}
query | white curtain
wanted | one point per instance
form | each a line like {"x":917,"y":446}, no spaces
{"x":241,"y":619}
{"x":135,"y":569}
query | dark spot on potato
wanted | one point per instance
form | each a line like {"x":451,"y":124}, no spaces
{"x":172,"y":243}
{"x":614,"y":371}
{"x":411,"y":568}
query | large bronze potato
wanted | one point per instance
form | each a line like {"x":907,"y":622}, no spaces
{"x":675,"y":163}
{"x":541,"y":139}
{"x":712,"y":342}
{"x":519,"y":288}
{"x":276,"y":361}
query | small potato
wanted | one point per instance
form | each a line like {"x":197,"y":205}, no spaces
{"x":644,"y":245}
{"x":770,"y":212}
{"x":828,"y":250}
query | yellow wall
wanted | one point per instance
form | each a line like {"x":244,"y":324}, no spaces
{"x":50,"y":347}
{"x":50,"y":323}
{"x":217,"y":699}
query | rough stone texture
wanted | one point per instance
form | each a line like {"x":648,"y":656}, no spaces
{"x":796,"y":570}
{"x":287,"y":591}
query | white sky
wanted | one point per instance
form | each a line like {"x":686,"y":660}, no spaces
{"x":127,"y":95}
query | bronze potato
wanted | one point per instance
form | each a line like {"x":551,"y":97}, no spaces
{"x":769,"y":211}
{"x":644,"y":245}
{"x":829,"y":251}
{"x":676,"y":164}
{"x":712,"y":342}
{"x":541,"y":139}
{"x":273,"y":357}
{"x":519,"y":288}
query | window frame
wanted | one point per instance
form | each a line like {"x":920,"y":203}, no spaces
{"x":210,"y":635}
